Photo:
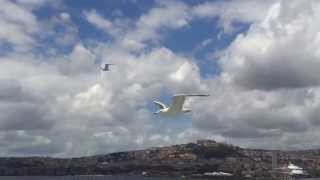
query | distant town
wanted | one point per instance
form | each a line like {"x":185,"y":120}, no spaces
{"x":204,"y":158}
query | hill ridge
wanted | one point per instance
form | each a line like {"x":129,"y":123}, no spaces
{"x":195,"y":158}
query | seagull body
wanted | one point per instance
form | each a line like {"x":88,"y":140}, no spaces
{"x":106,"y":67}
{"x":176,"y":106}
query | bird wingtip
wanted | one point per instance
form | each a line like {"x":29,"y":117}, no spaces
{"x":191,"y":95}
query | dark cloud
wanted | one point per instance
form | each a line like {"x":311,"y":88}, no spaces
{"x":314,"y":115}
{"x":254,"y":124}
{"x":22,"y":143}
{"x":24,"y":116}
{"x":37,"y":149}
{"x":284,"y":68}
{"x":21,"y":110}
{"x":11,"y":91}
{"x":281,"y":120}
{"x":246,"y":132}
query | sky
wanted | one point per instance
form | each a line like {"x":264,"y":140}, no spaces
{"x":258,"y":60}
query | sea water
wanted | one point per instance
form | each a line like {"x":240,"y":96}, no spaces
{"x":86,"y":178}
{"x":97,"y":177}
{"x":94,"y":178}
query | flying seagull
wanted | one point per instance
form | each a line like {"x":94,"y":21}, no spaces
{"x":177,"y":104}
{"x":106,"y":67}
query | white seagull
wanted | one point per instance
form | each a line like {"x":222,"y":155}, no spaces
{"x":176,"y":106}
{"x":106,"y":67}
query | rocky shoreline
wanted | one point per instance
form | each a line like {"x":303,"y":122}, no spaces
{"x":186,"y":160}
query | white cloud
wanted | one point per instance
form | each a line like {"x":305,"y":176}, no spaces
{"x":20,"y":24}
{"x":268,"y":87}
{"x":81,"y":60}
{"x":68,"y":96}
{"x":278,"y":52}
{"x":133,"y":36}
{"x":79,"y":110}
{"x":106,"y":25}
{"x":268,"y":90}
{"x":231,"y":12}
{"x":169,"y":15}
{"x":64,"y":16}
{"x":62,"y":29}
{"x":32,"y":2}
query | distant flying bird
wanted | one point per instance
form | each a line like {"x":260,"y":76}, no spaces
{"x":177,"y":104}
{"x":106,"y":67}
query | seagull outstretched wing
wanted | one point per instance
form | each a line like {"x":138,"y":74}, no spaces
{"x":179,"y":99}
{"x":160,"y":104}
{"x":177,"y":102}
{"x":199,"y":95}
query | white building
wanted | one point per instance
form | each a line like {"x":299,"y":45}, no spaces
{"x":295,"y":170}
{"x":292,"y":170}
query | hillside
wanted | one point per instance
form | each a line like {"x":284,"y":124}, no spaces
{"x":192,"y":159}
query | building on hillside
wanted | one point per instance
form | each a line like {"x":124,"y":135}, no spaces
{"x":290,"y":171}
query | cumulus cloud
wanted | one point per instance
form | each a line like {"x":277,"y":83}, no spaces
{"x":26,"y":143}
{"x":80,"y":60}
{"x":106,"y":25}
{"x":248,"y":117}
{"x":168,"y":15}
{"x":20,"y":24}
{"x":148,"y":28}
{"x":268,"y":88}
{"x":64,"y":99}
{"x":232,"y":12}
{"x":61,"y":104}
{"x":57,"y":32}
{"x":278,"y":52}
